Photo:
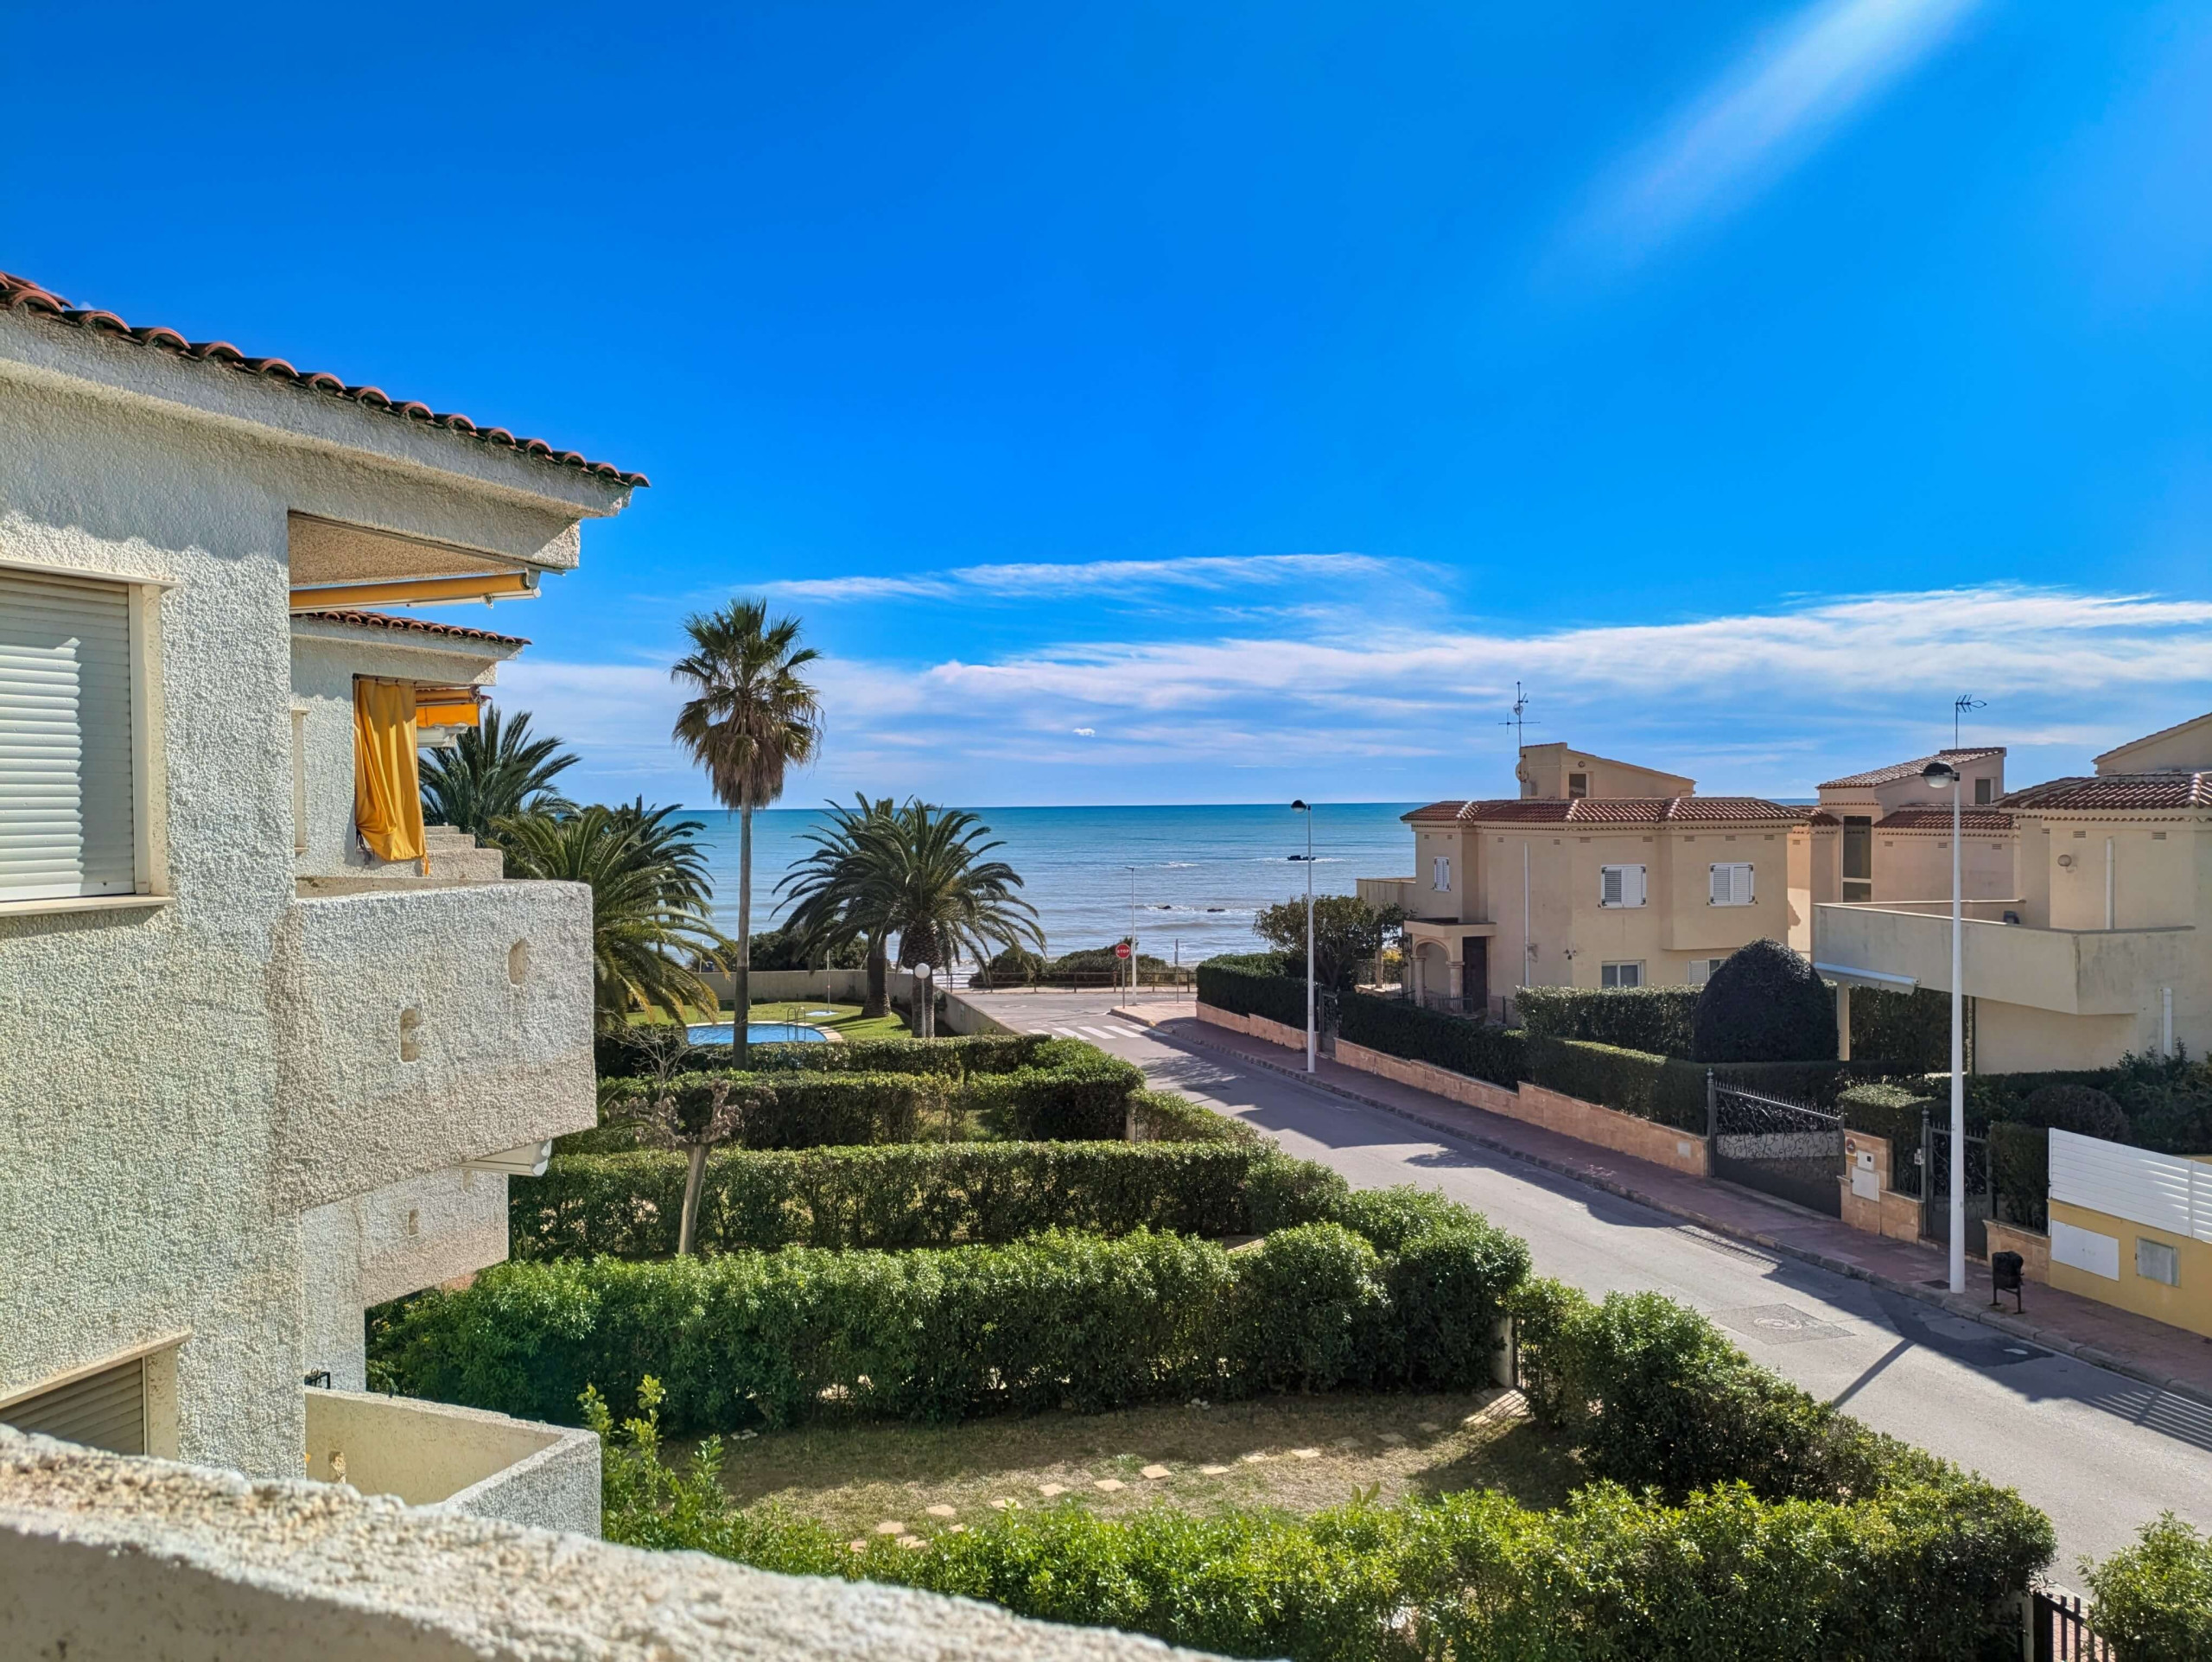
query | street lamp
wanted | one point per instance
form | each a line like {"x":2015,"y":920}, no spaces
{"x":1132,"y":870}
{"x":1307,"y":860}
{"x":1941,"y":776}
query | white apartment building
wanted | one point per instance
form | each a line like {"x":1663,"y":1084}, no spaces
{"x":255,"y":1076}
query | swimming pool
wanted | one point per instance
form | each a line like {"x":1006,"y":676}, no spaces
{"x":758,"y":1033}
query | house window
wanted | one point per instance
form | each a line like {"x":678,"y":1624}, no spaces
{"x":1702,"y":970}
{"x":1620,"y":975}
{"x":1857,"y":856}
{"x":1732,"y":883}
{"x":68,"y":789}
{"x":1620,"y":885}
{"x":2157,"y":1261}
{"x":1985,"y":791}
{"x":1578,"y":786}
{"x":1440,"y":874}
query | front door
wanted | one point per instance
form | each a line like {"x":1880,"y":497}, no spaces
{"x":1474,"y":974}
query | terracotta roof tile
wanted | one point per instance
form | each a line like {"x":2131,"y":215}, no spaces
{"x":21,"y":294}
{"x":1609,"y":810}
{"x":1939,"y":819}
{"x":1897,"y":770}
{"x":2123,"y":791}
{"x":413,"y":626}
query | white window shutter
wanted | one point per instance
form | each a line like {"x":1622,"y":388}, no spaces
{"x":66,"y":785}
{"x":1632,"y":885}
{"x":1611,"y":888}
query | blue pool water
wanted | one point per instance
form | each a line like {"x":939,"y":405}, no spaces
{"x":758,"y":1033}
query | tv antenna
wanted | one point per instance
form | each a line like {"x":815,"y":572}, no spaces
{"x":1520,"y":719}
{"x":1959,"y":705}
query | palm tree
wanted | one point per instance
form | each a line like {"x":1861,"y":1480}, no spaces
{"x":650,"y":901}
{"x":752,"y":719}
{"x":491,"y":773}
{"x":833,"y":896}
{"x":939,"y":893}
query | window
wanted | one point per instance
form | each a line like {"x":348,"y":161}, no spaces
{"x":2156,"y":1261}
{"x":1440,"y":874}
{"x":1578,"y":786}
{"x":1732,"y":883}
{"x":1857,"y":856}
{"x":1702,"y":970}
{"x":68,"y":789}
{"x":1985,"y":790}
{"x":1620,"y":885}
{"x":1620,"y":975}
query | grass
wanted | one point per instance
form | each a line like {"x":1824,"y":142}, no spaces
{"x":845,"y":1019}
{"x":1297,"y":1454}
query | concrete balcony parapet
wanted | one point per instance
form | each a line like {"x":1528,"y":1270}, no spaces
{"x":106,"y":1556}
{"x":2069,"y":971}
{"x":452,"y":1459}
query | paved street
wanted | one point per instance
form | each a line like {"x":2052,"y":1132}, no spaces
{"x":2101,"y":1453}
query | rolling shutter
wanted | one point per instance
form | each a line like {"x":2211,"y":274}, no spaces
{"x":105,"y":1410}
{"x":65,"y":738}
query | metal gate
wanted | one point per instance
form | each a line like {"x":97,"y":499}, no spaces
{"x":1786,"y":1148}
{"x":2059,"y":1631}
{"x":1935,"y":1188}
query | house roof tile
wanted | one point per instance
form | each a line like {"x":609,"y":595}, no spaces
{"x":412,"y":626}
{"x":1932,"y":817}
{"x":21,"y":294}
{"x":1897,"y":770}
{"x":2121,"y":791}
{"x":1608,"y":811}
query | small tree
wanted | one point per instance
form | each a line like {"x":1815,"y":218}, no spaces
{"x":1347,"y":932}
{"x":692,"y":1115}
{"x":1765,"y":1004}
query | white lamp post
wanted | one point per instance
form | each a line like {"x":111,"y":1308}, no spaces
{"x":1307,"y":858}
{"x":1941,"y":776}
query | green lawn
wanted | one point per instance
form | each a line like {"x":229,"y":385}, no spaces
{"x":845,"y":1019}
{"x":1301,"y":1454}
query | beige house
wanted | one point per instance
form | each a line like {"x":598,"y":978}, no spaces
{"x":1883,"y":835}
{"x":2101,"y":944}
{"x":1571,"y":885}
{"x":268,"y":1049}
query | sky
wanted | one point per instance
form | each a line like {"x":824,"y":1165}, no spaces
{"x":1204,"y":402}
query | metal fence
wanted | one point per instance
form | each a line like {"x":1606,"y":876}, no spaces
{"x":2059,"y":1630}
{"x":1784,"y":1149}
{"x":1934,"y":1174}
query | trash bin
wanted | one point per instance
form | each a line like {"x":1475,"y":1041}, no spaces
{"x":2006,"y":1276}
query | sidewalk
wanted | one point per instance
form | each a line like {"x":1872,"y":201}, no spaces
{"x":2093,"y":1333}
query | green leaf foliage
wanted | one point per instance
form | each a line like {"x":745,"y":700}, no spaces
{"x":1481,"y":1050}
{"x":1655,"y":1019}
{"x":2153,"y":1599}
{"x":1170,"y":1117}
{"x":1765,"y":1003}
{"x":1255,"y":983}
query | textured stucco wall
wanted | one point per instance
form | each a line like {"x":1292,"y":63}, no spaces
{"x":139,"y":1076}
{"x":461,"y":1460}
{"x":105,"y":1558}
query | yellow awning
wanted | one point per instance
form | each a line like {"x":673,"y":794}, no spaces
{"x":447,"y":707}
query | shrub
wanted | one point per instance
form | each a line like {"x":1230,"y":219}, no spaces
{"x":1014,"y":966}
{"x":1170,"y":1117}
{"x":1765,"y":1005}
{"x":783,"y":1109}
{"x":2154,"y":1600}
{"x":913,"y":1194}
{"x":2081,"y":1109}
{"x":1254,"y":984}
{"x":1909,"y":1031}
{"x":627,"y":1057}
{"x":1074,"y":1092}
{"x":1056,"y":1320}
{"x":1630,"y":1081}
{"x":1481,"y":1050}
{"x":1886,"y":1108}
{"x":2020,"y":1172}
{"x":1656,"y":1019}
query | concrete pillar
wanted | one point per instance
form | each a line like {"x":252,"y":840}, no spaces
{"x":1843,"y":1021}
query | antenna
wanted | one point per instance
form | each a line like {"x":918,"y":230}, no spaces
{"x":1959,"y":705}
{"x":1520,"y":718}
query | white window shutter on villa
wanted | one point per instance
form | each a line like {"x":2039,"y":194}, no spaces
{"x":1620,"y":885}
{"x":65,"y":787}
{"x":1732,"y":884}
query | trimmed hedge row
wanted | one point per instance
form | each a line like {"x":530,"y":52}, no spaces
{"x":1073,"y":1092}
{"x":1056,"y":1319}
{"x":1254,"y":984}
{"x":1481,"y":1050}
{"x":634,"y":1052}
{"x":1672,"y":1091}
{"x":1656,"y":1019}
{"x":1170,"y":1117}
{"x":914,"y":1194}
{"x":781,"y":1110}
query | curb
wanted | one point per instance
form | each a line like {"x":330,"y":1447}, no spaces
{"x":2012,"y":1327}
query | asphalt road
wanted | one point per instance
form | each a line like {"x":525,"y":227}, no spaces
{"x":2100,"y":1452}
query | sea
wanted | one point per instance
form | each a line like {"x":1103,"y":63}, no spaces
{"x":1186,"y":880}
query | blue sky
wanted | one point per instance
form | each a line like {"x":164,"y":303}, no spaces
{"x":1185,"y":402}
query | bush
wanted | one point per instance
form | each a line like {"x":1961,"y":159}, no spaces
{"x":1074,"y":1092}
{"x":2020,"y":1172}
{"x":783,"y":1109}
{"x":1765,"y":1005}
{"x":1056,"y":1320}
{"x":2154,"y":1600}
{"x":627,"y":1057}
{"x":1909,"y":1031}
{"x":1170,"y":1117}
{"x":1630,"y":1081}
{"x":1656,"y":1019}
{"x":1481,"y":1050}
{"x":1888,"y":1109}
{"x":915,"y":1194}
{"x":1254,"y":984}
{"x":2081,"y":1109}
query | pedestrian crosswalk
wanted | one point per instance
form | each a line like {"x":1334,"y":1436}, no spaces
{"x":1080,"y":1032}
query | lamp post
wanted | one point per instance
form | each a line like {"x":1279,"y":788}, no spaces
{"x":1941,"y":776}
{"x":1132,"y":870}
{"x":1307,"y":858}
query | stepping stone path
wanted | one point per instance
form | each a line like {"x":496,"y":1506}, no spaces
{"x":1002,"y":1503}
{"x":1253,"y":1460}
{"x":910,"y":1542}
{"x":1110,"y":1484}
{"x":1213,"y":1471}
{"x":1430,"y":1426}
{"x":1048,"y":1490}
{"x":887,"y":1527}
{"x":941,"y":1512}
{"x":1155,"y":1471}
{"x":857,"y":1546}
{"x":1306,"y":1454}
{"x":1392,"y":1438}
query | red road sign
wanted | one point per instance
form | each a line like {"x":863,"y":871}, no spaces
{"x":1122,"y":949}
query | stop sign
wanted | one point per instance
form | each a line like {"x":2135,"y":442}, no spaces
{"x":1122,"y":950}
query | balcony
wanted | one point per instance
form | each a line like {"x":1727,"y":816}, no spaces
{"x":419,"y":1026}
{"x":1382,"y":892}
{"x":2067,"y":972}
{"x":455,"y":1459}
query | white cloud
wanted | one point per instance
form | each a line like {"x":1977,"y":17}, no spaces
{"x":1086,"y":732}
{"x":1768,"y":110}
{"x":1034,"y":579}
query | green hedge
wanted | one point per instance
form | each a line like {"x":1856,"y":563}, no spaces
{"x":1887,"y":1108}
{"x":1254,"y":984}
{"x":1656,"y":1019}
{"x":1909,"y":1031}
{"x":910,"y":1195}
{"x":1481,"y":1050}
{"x":2153,"y":1599}
{"x":1170,"y":1117}
{"x":2020,"y":1172}
{"x":783,"y":1109}
{"x":1074,"y":1092}
{"x":625,"y":1056}
{"x":1052,"y":1321}
{"x":1672,"y":1091}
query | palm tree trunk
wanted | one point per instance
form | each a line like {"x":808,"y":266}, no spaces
{"x":878,"y":1002}
{"x":691,"y":1186}
{"x":742,"y":982}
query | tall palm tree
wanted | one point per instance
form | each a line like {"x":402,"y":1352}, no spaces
{"x":751,"y":719}
{"x":492,"y":771}
{"x":940,"y":893}
{"x":834,"y":902}
{"x":650,"y":901}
